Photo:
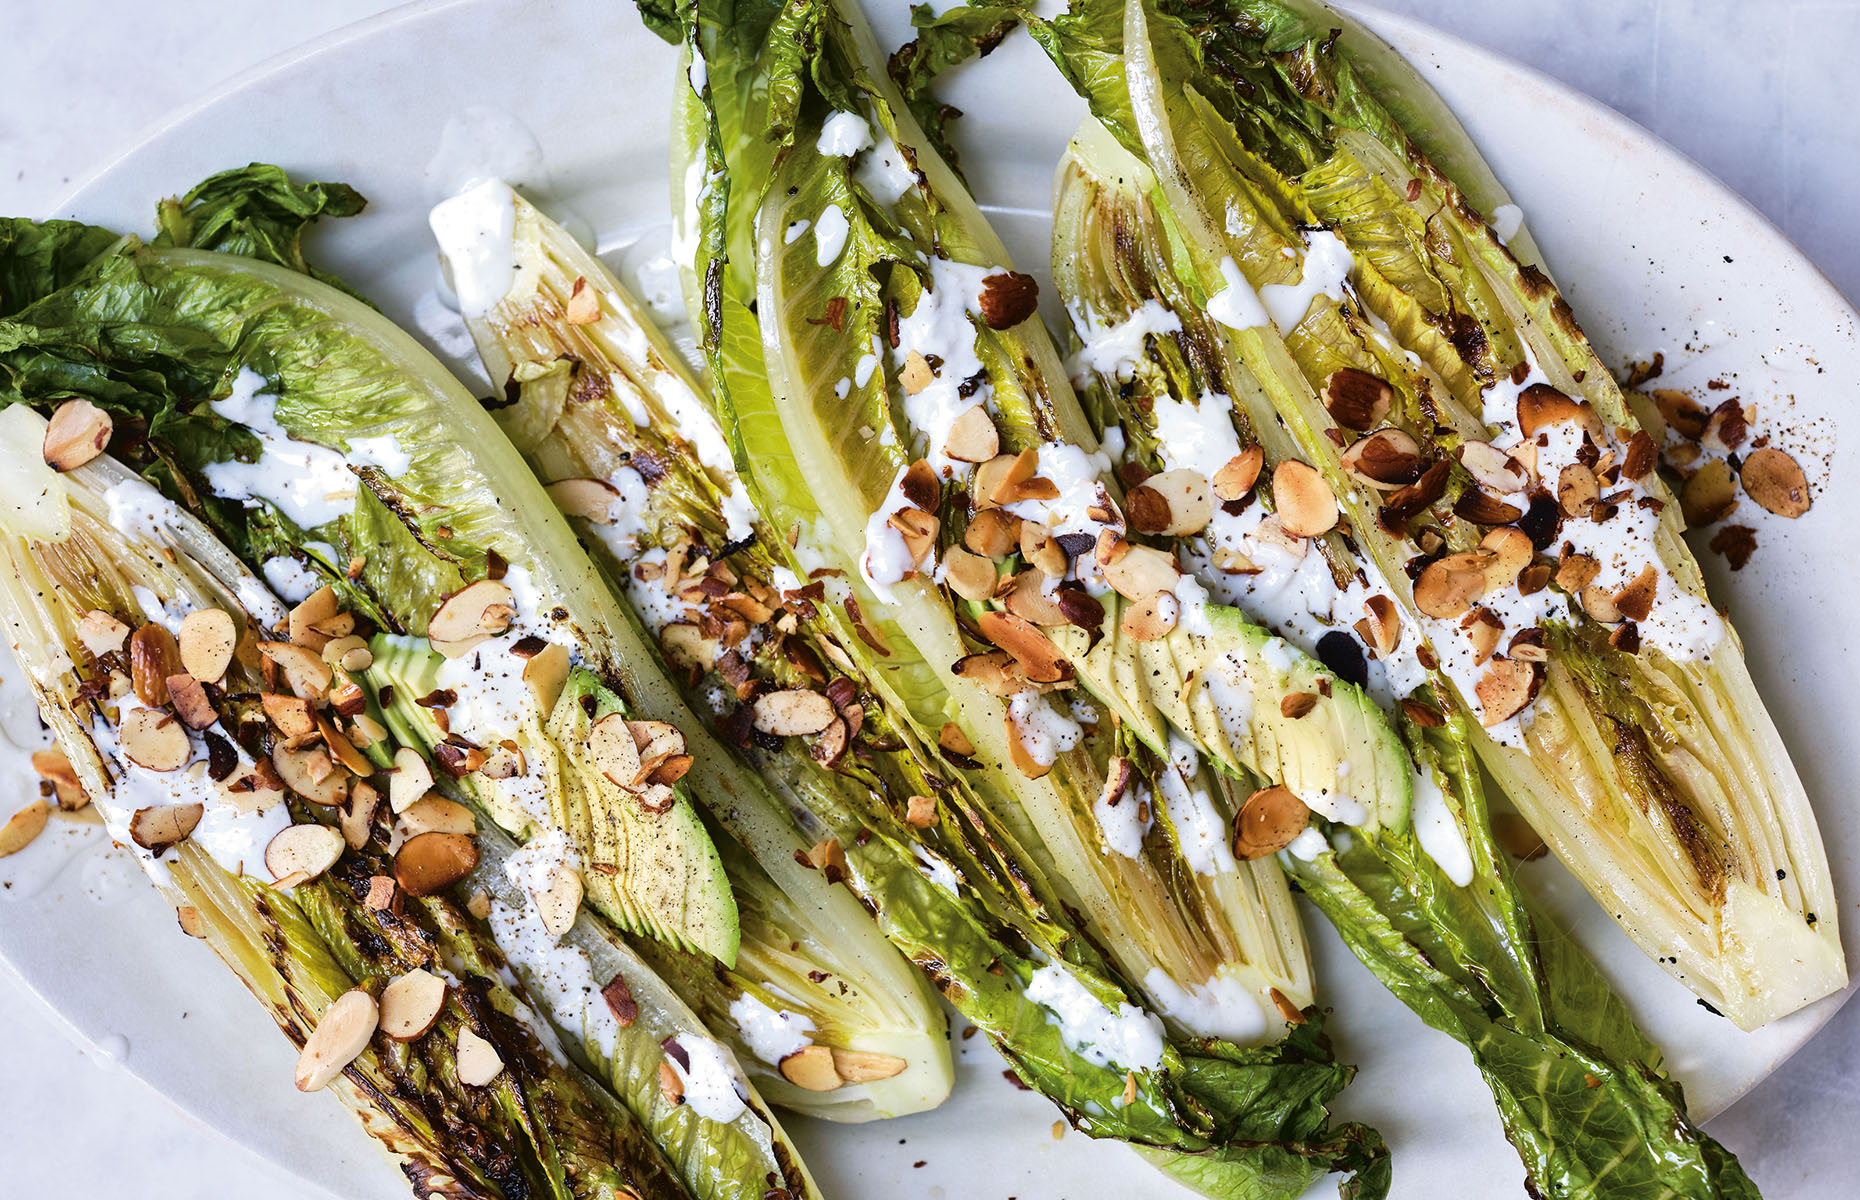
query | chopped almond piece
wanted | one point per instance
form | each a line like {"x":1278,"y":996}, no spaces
{"x":1635,"y":599}
{"x":993,"y":533}
{"x":190,"y":701}
{"x":584,"y":304}
{"x":916,"y":374}
{"x":1140,"y":571}
{"x":1511,"y":553}
{"x":1493,"y":469}
{"x":432,"y":862}
{"x":291,"y":714}
{"x":163,"y":825}
{"x":1599,"y":603}
{"x":1576,"y":572}
{"x":1384,"y":624}
{"x":478,"y":1060}
{"x":319,"y":606}
{"x":920,"y":812}
{"x":1151,"y":618}
{"x":972,"y":437}
{"x":52,"y":765}
{"x":1505,"y":688}
{"x":305,"y":671}
{"x":1541,"y":405}
{"x":954,"y":740}
{"x":299,"y":853}
{"x":1176,"y":503}
{"x":546,"y":672}
{"x":1386,"y":460}
{"x":1577,"y":490}
{"x":411,"y":778}
{"x":102,"y":633}
{"x":1038,"y":658}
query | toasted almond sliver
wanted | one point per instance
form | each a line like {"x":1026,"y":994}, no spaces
{"x":811,"y":1068}
{"x":471,"y":615}
{"x":432,"y":862}
{"x":338,"y":1040}
{"x":916,"y":374}
{"x":1710,"y":495}
{"x":1541,"y":405}
{"x":309,"y":771}
{"x":358,"y":813}
{"x":864,"y":1066}
{"x":52,"y":765}
{"x":77,"y":432}
{"x":206,"y":642}
{"x":1386,"y":460}
{"x":1448,"y":586}
{"x":615,"y":755}
{"x":584,"y":304}
{"x":1493,"y":469}
{"x":793,"y":712}
{"x":435,"y":814}
{"x":1511,"y":549}
{"x":1356,"y":399}
{"x":1150,"y":618}
{"x":592,"y":500}
{"x":1236,"y":478}
{"x":300,"y":853}
{"x":1183,"y":501}
{"x":954,"y":740}
{"x":1306,"y":505}
{"x":102,"y":633}
{"x":558,"y":903}
{"x":292,"y":715}
{"x":1776,"y":481}
{"x":920,"y":812}
{"x":22,"y":827}
{"x":1142,"y":571}
{"x":152,"y":658}
{"x":190,"y":701}
{"x":1505,"y":688}
{"x":969,"y":575}
{"x":315,"y":609}
{"x":1269,"y":821}
{"x":162,"y":825}
{"x":154,"y":739}
{"x":303,"y":669}
{"x":973,"y":437}
{"x":411,"y":1003}
{"x":411,"y":779}
{"x":1039,"y":659}
{"x":546,"y":673}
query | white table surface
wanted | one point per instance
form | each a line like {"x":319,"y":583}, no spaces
{"x":1758,"y":91}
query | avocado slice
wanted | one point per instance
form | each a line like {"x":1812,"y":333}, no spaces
{"x":1253,"y":705}
{"x":657,"y":874}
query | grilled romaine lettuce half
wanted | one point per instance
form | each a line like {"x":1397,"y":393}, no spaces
{"x":329,"y":447}
{"x":1338,"y":252}
{"x":610,"y":419}
{"x":1579,"y":1088}
{"x":157,"y":662}
{"x":818,"y":222}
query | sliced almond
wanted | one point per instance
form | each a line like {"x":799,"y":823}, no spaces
{"x":1505,"y":688}
{"x":1449,"y":586}
{"x":811,"y":1069}
{"x":23,"y":827}
{"x":1356,"y":399}
{"x":1776,"y":482}
{"x":918,"y":529}
{"x":309,"y":771}
{"x":829,"y":858}
{"x":916,"y":374}
{"x":1686,"y":416}
{"x":1540,"y":406}
{"x":342,"y":748}
{"x":1238,"y":475}
{"x":1296,"y":705}
{"x":1151,"y":618}
{"x":1493,"y":469}
{"x":471,"y":615}
{"x":152,"y":658}
{"x":1306,"y":505}
{"x":670,"y":1085}
{"x":302,"y":668}
{"x":920,"y":812}
{"x":1269,"y":821}
{"x":993,"y":671}
{"x":1599,"y":603}
{"x":163,"y":825}
{"x":349,"y":652}
{"x":1038,"y":658}
{"x":992,"y":533}
{"x":1386,"y":460}
{"x":615,"y":755}
{"x":190,"y":701}
{"x":1176,"y":503}
{"x":1635,"y":599}
{"x":546,"y":673}
{"x":593,"y":500}
{"x":1141,"y":571}
{"x":1576,"y":572}
{"x":864,"y":1066}
{"x":154,"y":739}
{"x":191,"y":922}
{"x":300,"y":853}
{"x":432,"y":862}
{"x":292,"y":715}
{"x":206,"y":643}
{"x":382,"y":890}
{"x":1577,"y":490}
{"x":793,"y":712}
{"x":52,"y":766}
{"x":1511,"y":553}
{"x":1483,"y":508}
{"x":77,"y":433}
{"x":1710,"y":495}
{"x":410,"y":1004}
{"x":338,"y":1040}
{"x":318,"y":607}
{"x":102,"y":633}
{"x":478,"y":1060}
{"x":1030,"y":600}
{"x":358,"y":814}
{"x":954,"y":740}
{"x":1384,"y":625}
{"x":410,"y":780}
{"x":1023,"y":761}
{"x":969,"y":575}
{"x":557,"y":904}
{"x":435,"y":814}
{"x":972,"y":437}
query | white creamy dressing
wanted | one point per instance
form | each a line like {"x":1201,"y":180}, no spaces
{"x":1309,"y":844}
{"x":309,"y":483}
{"x":795,"y":230}
{"x":1115,"y":350}
{"x":1225,"y":1006}
{"x":136,"y":510}
{"x":1438,"y":831}
{"x":1125,"y":824}
{"x":560,"y":976}
{"x":942,"y":329}
{"x":1327,"y":265}
{"x":770,"y":1033}
{"x":1075,"y":474}
{"x":1507,"y":219}
{"x":1044,"y":732}
{"x":290,"y":579}
{"x":843,"y":135}
{"x":887,"y":559}
{"x":476,"y":231}
{"x":830,"y":235}
{"x":935,"y":869}
{"x":493,"y":701}
{"x":541,"y":861}
{"x":1200,"y":831}
{"x":714,"y":1085}
{"x":235,"y":840}
{"x":625,"y":528}
{"x":166,"y":613}
{"x":883,"y":171}
{"x":1126,"y":1037}
{"x":1236,"y":305}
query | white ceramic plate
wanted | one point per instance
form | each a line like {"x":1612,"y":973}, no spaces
{"x":1654,"y":254}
